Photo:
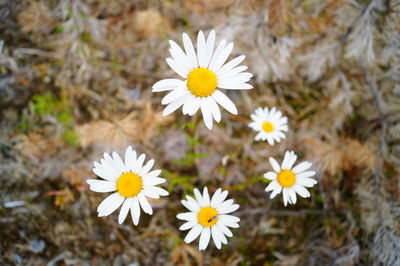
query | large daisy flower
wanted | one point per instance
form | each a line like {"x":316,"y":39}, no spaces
{"x":131,"y":180}
{"x":290,"y":180}
{"x":270,"y":124}
{"x":202,"y":73}
{"x":209,"y":217}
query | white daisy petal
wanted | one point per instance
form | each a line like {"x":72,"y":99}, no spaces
{"x":225,"y":102}
{"x":272,"y":186}
{"x":189,"y":49}
{"x":216,"y":113}
{"x":144,"y":204}
{"x":167,"y":85}
{"x":130,"y":158}
{"x":220,"y":60}
{"x":109,"y":175}
{"x":150,"y":194}
{"x":206,"y":196}
{"x":195,"y":105}
{"x":276,"y":192}
{"x":301,"y":167}
{"x":302,"y":191}
{"x":306,"y":174}
{"x":139,"y":164}
{"x":216,"y":55}
{"x":179,"y":56}
{"x":201,"y":49}
{"x":135,"y":210}
{"x":108,"y":201}
{"x":209,"y":47}
{"x":175,"y":94}
{"x":113,"y":206}
{"x":226,"y":218}
{"x":188,"y":225}
{"x":230,"y":65}
{"x":193,"y":233}
{"x":124,"y":210}
{"x":205,"y":110}
{"x":229,"y":209}
{"x":307,"y":182}
{"x":187,"y":216}
{"x":119,"y":163}
{"x":153,"y":181}
{"x":237,"y":86}
{"x":216,"y":236}
{"x":204,"y":238}
{"x":193,"y":205}
{"x":286,"y":160}
{"x":216,"y":200}
{"x":292,"y":195}
{"x":175,"y":104}
{"x":225,"y":230}
{"x":232,"y":72}
{"x":199,"y":197}
{"x":188,"y":105}
{"x":157,"y":190}
{"x":285,"y":196}
{"x":101,"y":186}
{"x":177,"y":68}
{"x":274,"y":165}
{"x":271,"y":175}
{"x":237,"y":79}
{"x":151,"y":174}
{"x":146,"y":168}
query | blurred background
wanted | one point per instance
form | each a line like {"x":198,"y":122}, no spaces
{"x":75,"y":81}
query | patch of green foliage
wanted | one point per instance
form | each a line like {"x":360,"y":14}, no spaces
{"x":48,"y":105}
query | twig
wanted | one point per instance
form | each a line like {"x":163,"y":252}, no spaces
{"x":381,"y":148}
{"x":353,"y":24}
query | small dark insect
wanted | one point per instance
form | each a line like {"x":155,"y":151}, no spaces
{"x":212,"y":218}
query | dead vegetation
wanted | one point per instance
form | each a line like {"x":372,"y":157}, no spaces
{"x":75,"y":79}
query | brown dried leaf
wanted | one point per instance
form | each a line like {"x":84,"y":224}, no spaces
{"x":342,"y":155}
{"x":138,"y":126}
{"x":151,"y":23}
{"x":36,"y":146}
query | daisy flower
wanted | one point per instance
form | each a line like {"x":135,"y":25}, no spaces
{"x":131,"y":180}
{"x":203,"y":73}
{"x":209,"y":217}
{"x":270,"y":124}
{"x":290,"y":180}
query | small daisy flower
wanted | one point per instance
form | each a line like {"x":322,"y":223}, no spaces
{"x":203,"y":72}
{"x":209,"y":217}
{"x":131,"y":180}
{"x":290,"y":180}
{"x":270,"y":124}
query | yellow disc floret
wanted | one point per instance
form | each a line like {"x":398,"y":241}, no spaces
{"x":208,"y":216}
{"x":129,"y":184}
{"x":202,"y":82}
{"x":286,"y":178}
{"x":268,"y":127}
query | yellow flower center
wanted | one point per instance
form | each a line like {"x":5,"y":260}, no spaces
{"x":208,"y":216}
{"x":201,"y":82}
{"x":129,"y":184}
{"x":268,"y":127}
{"x":286,"y":178}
